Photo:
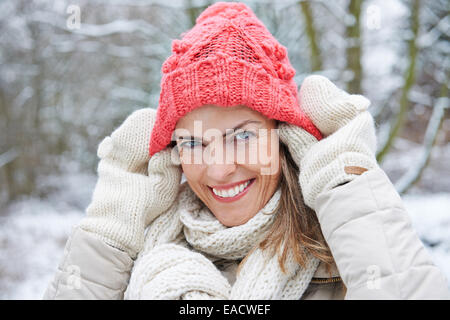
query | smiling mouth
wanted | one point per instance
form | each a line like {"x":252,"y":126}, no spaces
{"x":232,"y":194}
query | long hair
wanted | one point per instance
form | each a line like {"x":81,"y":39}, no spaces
{"x":296,"y":226}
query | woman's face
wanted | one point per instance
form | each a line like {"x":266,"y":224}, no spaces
{"x":230,"y":159}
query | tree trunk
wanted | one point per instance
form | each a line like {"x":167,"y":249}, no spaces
{"x":353,"y":51}
{"x":409,"y":82}
{"x":316,"y":59}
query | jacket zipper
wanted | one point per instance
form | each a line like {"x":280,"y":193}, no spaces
{"x":326,"y":280}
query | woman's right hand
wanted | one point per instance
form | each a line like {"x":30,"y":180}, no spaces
{"x":132,"y":188}
{"x":349,"y":144}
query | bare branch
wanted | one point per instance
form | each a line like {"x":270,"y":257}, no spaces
{"x":413,"y":174}
{"x":8,"y":156}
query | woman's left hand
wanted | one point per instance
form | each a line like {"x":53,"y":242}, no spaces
{"x":349,"y":144}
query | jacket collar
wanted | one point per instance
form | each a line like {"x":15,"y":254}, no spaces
{"x":321,"y":271}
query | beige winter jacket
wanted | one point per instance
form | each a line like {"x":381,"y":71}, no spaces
{"x":378,"y":254}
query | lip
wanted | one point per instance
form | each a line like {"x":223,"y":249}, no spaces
{"x":235,"y":198}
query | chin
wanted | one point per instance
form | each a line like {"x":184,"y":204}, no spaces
{"x":230,"y":224}
{"x":230,"y":221}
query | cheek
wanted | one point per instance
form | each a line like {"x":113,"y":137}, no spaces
{"x":192,"y":172}
{"x":265,"y":159}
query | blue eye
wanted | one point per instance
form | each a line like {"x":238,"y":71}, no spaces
{"x":244,"y":135}
{"x":190,"y":144}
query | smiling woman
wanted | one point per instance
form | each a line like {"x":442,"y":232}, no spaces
{"x":269,"y":209}
{"x":226,"y":185}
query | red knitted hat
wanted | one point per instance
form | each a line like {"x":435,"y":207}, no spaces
{"x":228,"y":58}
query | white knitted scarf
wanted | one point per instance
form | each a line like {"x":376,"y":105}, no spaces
{"x":185,"y":245}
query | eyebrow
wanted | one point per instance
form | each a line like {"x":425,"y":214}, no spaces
{"x":238,"y":126}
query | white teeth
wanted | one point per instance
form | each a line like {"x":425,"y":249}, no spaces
{"x":232,"y":191}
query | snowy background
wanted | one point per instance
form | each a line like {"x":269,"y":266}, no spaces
{"x":63,"y":88}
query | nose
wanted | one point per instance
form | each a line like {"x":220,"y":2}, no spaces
{"x":220,"y":163}
{"x":220,"y":172}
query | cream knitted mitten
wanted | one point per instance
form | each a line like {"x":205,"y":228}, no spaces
{"x":348,"y":147}
{"x":132,"y":189}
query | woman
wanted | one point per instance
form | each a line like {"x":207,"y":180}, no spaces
{"x":280,"y":202}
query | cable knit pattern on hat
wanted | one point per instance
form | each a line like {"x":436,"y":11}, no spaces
{"x":184,"y":245}
{"x":228,"y":58}
{"x":350,"y":137}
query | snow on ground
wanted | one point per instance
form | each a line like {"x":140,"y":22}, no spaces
{"x":33,"y":234}
{"x":32,"y":242}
